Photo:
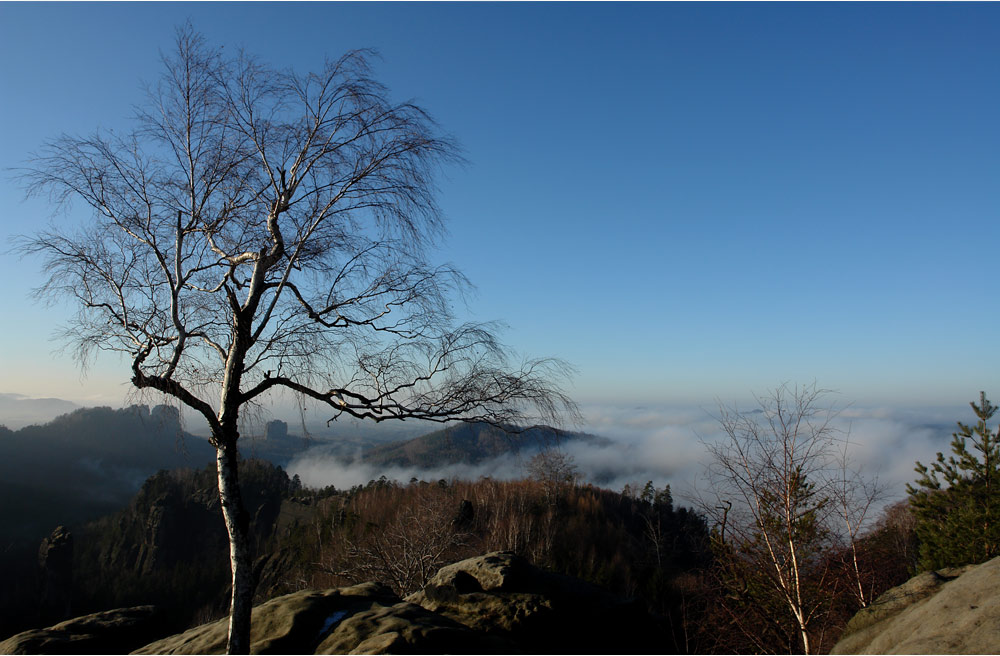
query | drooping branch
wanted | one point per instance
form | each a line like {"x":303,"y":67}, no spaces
{"x":495,"y":397}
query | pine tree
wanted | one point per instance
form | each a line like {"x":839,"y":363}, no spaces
{"x":957,"y":499}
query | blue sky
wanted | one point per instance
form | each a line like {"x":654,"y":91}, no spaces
{"x":684,"y":201}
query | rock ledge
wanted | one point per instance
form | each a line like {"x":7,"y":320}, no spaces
{"x":950,"y":611}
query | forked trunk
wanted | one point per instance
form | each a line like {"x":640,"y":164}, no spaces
{"x":237,"y":525}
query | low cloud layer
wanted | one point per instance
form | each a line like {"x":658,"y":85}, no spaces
{"x":667,"y":445}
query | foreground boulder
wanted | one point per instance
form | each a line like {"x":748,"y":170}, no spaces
{"x":950,"y":611}
{"x":504,"y":596}
{"x":361,"y":619}
{"x":111,"y":632}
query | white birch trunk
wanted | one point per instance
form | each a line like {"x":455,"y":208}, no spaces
{"x":237,"y":525}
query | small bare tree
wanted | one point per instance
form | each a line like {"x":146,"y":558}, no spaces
{"x":261,"y":230}
{"x":780,"y":495}
{"x":409,"y":548}
{"x":854,"y":497}
{"x":555,"y":469}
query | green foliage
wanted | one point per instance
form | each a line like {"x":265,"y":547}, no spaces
{"x":791,"y":516}
{"x":663,"y":498}
{"x":956,"y":500}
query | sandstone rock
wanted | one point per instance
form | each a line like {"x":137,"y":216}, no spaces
{"x":502,"y":595}
{"x":361,"y":619}
{"x":276,"y":431}
{"x":951,"y":611}
{"x":497,"y":571}
{"x":497,"y":603}
{"x":406,"y":628}
{"x":292,"y":624}
{"x":110,"y":632}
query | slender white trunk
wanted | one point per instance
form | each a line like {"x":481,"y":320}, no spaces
{"x":797,"y":607}
{"x":237,"y":525}
{"x":803,"y":632}
{"x":857,"y":574}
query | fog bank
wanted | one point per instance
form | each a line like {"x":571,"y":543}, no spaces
{"x":666,"y":445}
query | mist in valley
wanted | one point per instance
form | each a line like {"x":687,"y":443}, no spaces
{"x":665,"y":445}
{"x":104,"y":456}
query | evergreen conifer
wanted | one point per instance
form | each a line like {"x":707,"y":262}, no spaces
{"x":956,"y":500}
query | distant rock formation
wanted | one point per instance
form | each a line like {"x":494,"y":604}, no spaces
{"x":492,"y":604}
{"x":168,"y":416}
{"x":276,"y":431}
{"x":950,"y":611}
{"x":174,"y":523}
{"x":86,"y":464}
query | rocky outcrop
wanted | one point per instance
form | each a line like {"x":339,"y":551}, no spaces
{"x":494,"y":604}
{"x":167,"y":524}
{"x":504,"y":596}
{"x":111,"y":632}
{"x":950,"y":611}
{"x":361,"y":619}
{"x":406,"y":628}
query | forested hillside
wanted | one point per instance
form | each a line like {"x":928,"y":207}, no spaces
{"x":87,"y":463}
{"x":91,"y":461}
{"x":471,"y":443}
{"x":168,"y":547}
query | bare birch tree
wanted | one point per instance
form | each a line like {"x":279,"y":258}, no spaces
{"x":261,"y":230}
{"x":780,"y":495}
{"x":854,"y":497}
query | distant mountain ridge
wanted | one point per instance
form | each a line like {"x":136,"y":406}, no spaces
{"x":91,"y":461}
{"x":471,"y":443}
{"x":87,"y":463}
{"x":18,"y":410}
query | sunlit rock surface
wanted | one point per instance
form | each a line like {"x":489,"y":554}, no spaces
{"x":950,"y":611}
